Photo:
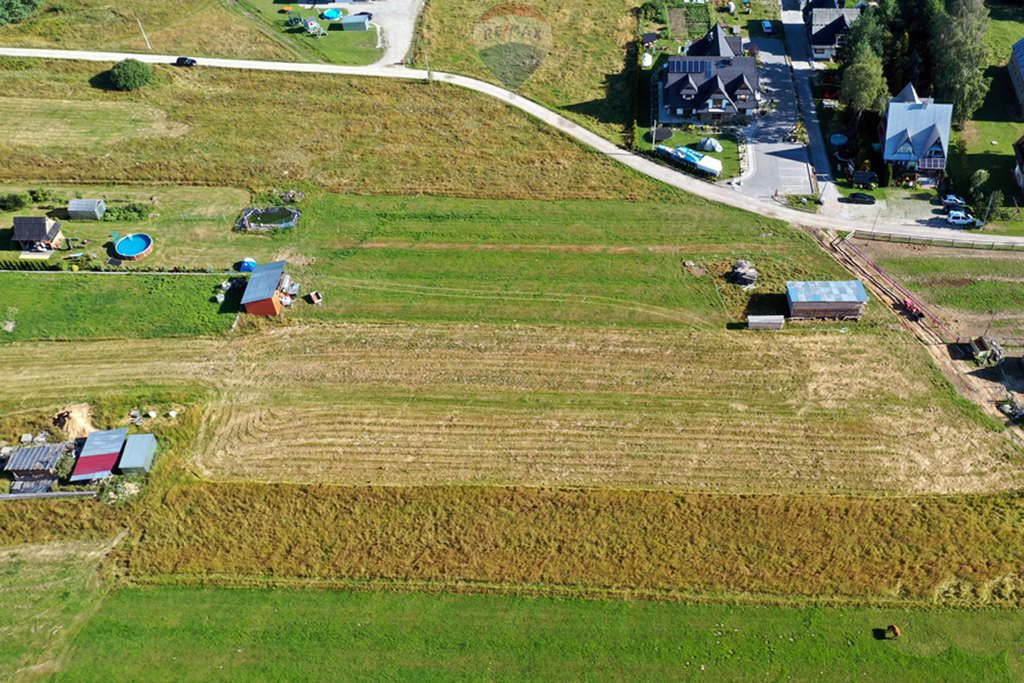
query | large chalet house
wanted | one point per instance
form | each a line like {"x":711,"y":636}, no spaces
{"x":713,"y":83}
{"x":915,"y":134}
{"x":827,"y":29}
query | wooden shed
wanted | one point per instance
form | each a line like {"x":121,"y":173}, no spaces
{"x":30,"y":462}
{"x":838,"y":299}
{"x":37,"y":232}
{"x":86,"y":209}
{"x":263,"y":291}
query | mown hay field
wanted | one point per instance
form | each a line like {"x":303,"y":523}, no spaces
{"x":252,"y":129}
{"x":200,"y":27}
{"x":924,"y":550}
{"x":428,"y":637}
{"x":588,"y":70}
{"x":428,"y":404}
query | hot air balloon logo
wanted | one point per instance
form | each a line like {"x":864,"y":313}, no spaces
{"x":512,"y":39}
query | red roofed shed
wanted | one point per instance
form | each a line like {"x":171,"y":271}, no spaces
{"x":99,"y":455}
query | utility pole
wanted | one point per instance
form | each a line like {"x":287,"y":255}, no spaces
{"x":144,"y":36}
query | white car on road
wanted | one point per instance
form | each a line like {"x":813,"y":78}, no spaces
{"x":952,"y":199}
{"x":962,"y":218}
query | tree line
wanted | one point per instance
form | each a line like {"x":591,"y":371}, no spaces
{"x":937,"y":45}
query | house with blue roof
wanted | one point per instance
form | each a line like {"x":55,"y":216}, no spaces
{"x":915,"y":134}
{"x":1016,"y":67}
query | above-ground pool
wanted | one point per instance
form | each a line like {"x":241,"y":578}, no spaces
{"x":268,"y":219}
{"x":134,"y":247}
{"x":332,"y":14}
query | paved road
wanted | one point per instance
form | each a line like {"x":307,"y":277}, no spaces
{"x":652,"y":169}
{"x":778,"y":165}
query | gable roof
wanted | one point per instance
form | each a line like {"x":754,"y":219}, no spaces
{"x":263,"y":282}
{"x":715,"y":43}
{"x":909,"y":94}
{"x":35,"y":229}
{"x":99,"y":455}
{"x":711,"y":76}
{"x":828,"y":25}
{"x":1017,"y":55}
{"x":924,"y":123}
{"x":808,"y":7}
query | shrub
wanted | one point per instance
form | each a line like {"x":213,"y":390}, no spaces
{"x":43,"y":195}
{"x":13,"y":201}
{"x":132,"y":211}
{"x":130,"y":74}
{"x":64,"y":465}
{"x":13,"y":11}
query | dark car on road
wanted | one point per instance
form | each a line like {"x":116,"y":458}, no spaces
{"x":368,"y":15}
{"x":184,"y":61}
{"x":860,"y":198}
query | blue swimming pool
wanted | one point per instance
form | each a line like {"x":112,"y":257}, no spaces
{"x":134,"y":247}
{"x":332,"y":14}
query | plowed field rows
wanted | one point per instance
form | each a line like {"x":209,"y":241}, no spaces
{"x":427,"y":404}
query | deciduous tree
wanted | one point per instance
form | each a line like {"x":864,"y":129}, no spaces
{"x":960,"y":63}
{"x":864,"y":87}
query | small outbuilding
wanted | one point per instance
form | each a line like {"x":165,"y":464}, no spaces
{"x":29,"y":462}
{"x":262,"y":294}
{"x":38,"y":233}
{"x":355,"y":22}
{"x":138,"y":453}
{"x":99,"y":455}
{"x":840,"y":299}
{"x":86,"y":209}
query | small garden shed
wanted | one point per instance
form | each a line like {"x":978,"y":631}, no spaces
{"x":86,"y":209}
{"x":34,"y":461}
{"x":263,"y":292}
{"x":355,"y":22}
{"x":137,"y":456}
{"x":37,"y":232}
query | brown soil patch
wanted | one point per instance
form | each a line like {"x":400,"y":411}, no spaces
{"x":75,"y":420}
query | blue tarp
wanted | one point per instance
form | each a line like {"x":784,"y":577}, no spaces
{"x":263,"y":282}
{"x":692,"y":159}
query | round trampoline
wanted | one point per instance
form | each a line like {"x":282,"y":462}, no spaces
{"x":332,"y":13}
{"x":271,"y":218}
{"x":134,"y":247}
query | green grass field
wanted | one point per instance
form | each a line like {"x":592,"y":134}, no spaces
{"x":101,"y":306}
{"x":429,"y":259}
{"x":200,"y":27}
{"x":385,"y":137}
{"x":46,"y":591}
{"x":588,"y":73}
{"x":238,"y":634}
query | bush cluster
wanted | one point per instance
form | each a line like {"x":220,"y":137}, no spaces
{"x":132,"y":211}
{"x":13,"y":201}
{"x":130,"y":74}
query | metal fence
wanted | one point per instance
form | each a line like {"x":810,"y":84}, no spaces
{"x":954,"y":242}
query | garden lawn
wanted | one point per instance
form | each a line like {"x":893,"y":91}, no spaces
{"x":84,"y":305}
{"x":730,"y":154}
{"x":202,"y":634}
{"x":337,"y":47}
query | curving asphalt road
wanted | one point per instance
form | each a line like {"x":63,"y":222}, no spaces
{"x":648,"y":167}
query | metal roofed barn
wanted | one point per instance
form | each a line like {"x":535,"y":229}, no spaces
{"x":99,"y":455}
{"x":86,"y":209}
{"x":34,"y":461}
{"x":137,"y":456}
{"x":841,"y":299}
{"x":263,"y":292}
